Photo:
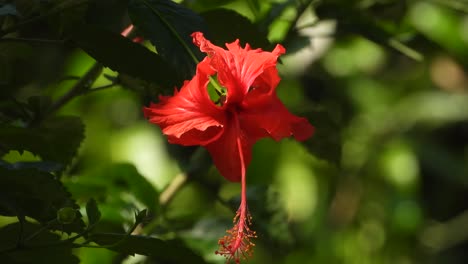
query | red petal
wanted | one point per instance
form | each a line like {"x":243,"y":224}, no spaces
{"x":189,"y":117}
{"x":237,"y":67}
{"x":265,"y":111}
{"x":225,"y":152}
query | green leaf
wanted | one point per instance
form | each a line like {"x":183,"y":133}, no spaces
{"x":56,"y":140}
{"x":168,"y":26}
{"x":36,"y":194}
{"x":141,"y":216}
{"x":34,"y":250}
{"x":165,"y":251}
{"x":201,"y":5}
{"x":239,"y":27}
{"x":92,"y":211}
{"x":14,"y":58}
{"x":356,"y":21}
{"x":122,"y":55}
{"x":67,"y":18}
{"x":113,"y":180}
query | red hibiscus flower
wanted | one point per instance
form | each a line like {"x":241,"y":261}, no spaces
{"x":248,"y":111}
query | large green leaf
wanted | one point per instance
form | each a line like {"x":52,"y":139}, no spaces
{"x":166,"y":251}
{"x":45,"y":247}
{"x":122,"y":55}
{"x":39,"y":195}
{"x":55,"y":140}
{"x":168,"y":26}
{"x":239,"y":27}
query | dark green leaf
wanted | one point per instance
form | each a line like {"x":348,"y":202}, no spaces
{"x":167,"y":251}
{"x":122,"y":55}
{"x":56,"y":140}
{"x":326,"y":141}
{"x":36,"y":194}
{"x":92,"y":212}
{"x":239,"y":27}
{"x":168,"y":26}
{"x":34,"y":250}
{"x":141,"y":216}
{"x":39,"y":105}
{"x":13,"y":62}
{"x":67,"y":18}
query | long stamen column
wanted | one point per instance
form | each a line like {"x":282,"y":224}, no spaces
{"x":236,"y":245}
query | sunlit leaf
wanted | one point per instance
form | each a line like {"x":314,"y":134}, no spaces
{"x":352,"y":20}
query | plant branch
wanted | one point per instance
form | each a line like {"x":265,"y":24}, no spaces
{"x":176,"y":184}
{"x":80,"y":87}
{"x":100,"y":88}
{"x":40,"y":230}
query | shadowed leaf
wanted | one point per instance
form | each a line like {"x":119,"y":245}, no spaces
{"x":36,"y":194}
{"x":166,"y":251}
{"x":47,"y":141}
{"x":239,"y":26}
{"x":122,"y":55}
{"x":168,"y":26}
{"x":33,"y":250}
{"x":92,"y":211}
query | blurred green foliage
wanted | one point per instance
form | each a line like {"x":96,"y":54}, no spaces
{"x":85,"y":179}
